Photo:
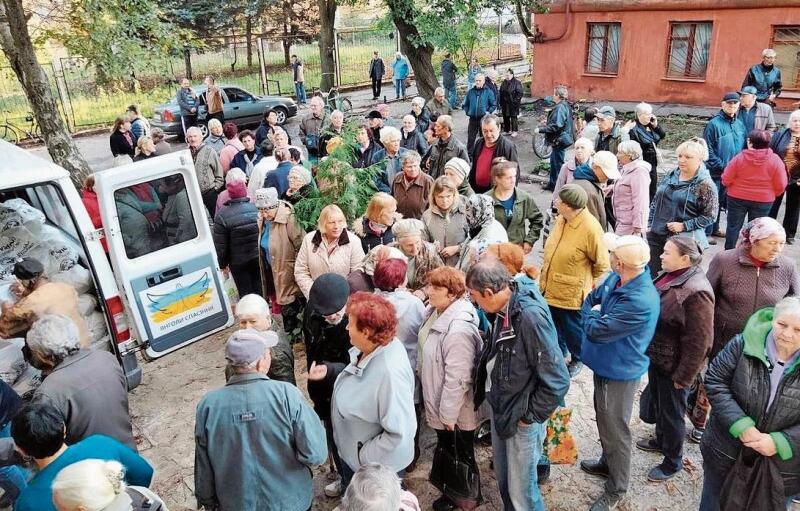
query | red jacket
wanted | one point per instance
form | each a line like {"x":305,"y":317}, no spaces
{"x":89,"y":198}
{"x":757,"y":175}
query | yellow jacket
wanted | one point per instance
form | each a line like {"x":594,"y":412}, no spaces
{"x":574,"y":257}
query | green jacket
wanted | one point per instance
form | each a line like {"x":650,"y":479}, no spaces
{"x":520,"y":231}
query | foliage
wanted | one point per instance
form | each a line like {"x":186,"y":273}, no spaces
{"x":338,"y":182}
{"x":456,"y":26}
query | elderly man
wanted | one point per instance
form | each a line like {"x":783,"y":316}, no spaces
{"x":390,"y":156}
{"x":334,"y":129}
{"x":619,"y":320}
{"x":207,"y":168}
{"x":765,"y":77}
{"x":87,"y":386}
{"x":558,"y":132}
{"x":411,"y":187}
{"x":377,"y":68}
{"x":725,"y":135}
{"x":37,"y":296}
{"x":492,"y":145}
{"x":311,"y":127}
{"x":521,"y":373}
{"x":449,"y":79}
{"x":609,"y":133}
{"x":256,"y":439}
{"x":446,"y":148}
{"x":480,"y":100}
{"x":438,"y":104}
{"x":187,"y":101}
{"x":755,"y":115}
{"x":411,"y":137}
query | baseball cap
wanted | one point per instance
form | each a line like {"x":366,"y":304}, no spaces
{"x":631,"y":250}
{"x":730,"y":97}
{"x":748,"y":90}
{"x":246,"y":346}
{"x":607,"y":111}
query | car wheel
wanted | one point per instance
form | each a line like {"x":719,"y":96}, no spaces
{"x":282,"y":114}
{"x":203,"y":130}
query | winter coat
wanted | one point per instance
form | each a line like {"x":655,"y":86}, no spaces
{"x":423,"y":123}
{"x":435,"y":109}
{"x":586,"y":179}
{"x":311,"y":131}
{"x":120,"y":145}
{"x":412,"y":199}
{"x":226,"y":155}
{"x":224,"y":196}
{"x":529,"y":378}
{"x":685,"y":331}
{"x":493,"y":86}
{"x":448,"y":363}
{"x":187,"y":99}
{"x":510,"y":97}
{"x":526,"y":220}
{"x":324,"y":343}
{"x":693,"y":202}
{"x":741,"y":288}
{"x":133,"y":224}
{"x":504,"y":147}
{"x":780,"y":144}
{"x":574,"y":257}
{"x":449,"y":74}
{"x":559,"y":131}
{"x":474,"y":247}
{"x":648,"y":138}
{"x":616,"y":337}
{"x":240,"y":160}
{"x":369,"y":238}
{"x":377,"y":68}
{"x":444,"y":151}
{"x":285,"y":239}
{"x":418,"y":267}
{"x":766,"y":80}
{"x":399,"y":69}
{"x":178,"y":220}
{"x":236,"y":233}
{"x":414,"y":141}
{"x":611,"y":141}
{"x":631,"y":197}
{"x":410,"y":312}
{"x":215,"y":143}
{"x":757,"y":175}
{"x":315,"y":258}
{"x":208,"y":169}
{"x":140,"y":127}
{"x":759,"y":117}
{"x":479,"y":102}
{"x":726,"y":138}
{"x":446,"y":229}
{"x":738,"y":386}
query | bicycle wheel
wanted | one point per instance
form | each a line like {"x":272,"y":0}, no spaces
{"x":541,"y":147}
{"x":9,"y":133}
{"x":345,"y":106}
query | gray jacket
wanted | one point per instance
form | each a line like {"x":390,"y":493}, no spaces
{"x":447,"y":228}
{"x":215,"y":143}
{"x":256,"y":441}
{"x":89,"y":389}
{"x":187,"y":100}
{"x":208,"y":169}
{"x":442,"y":152}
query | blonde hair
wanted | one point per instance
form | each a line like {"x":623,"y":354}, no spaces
{"x":695,"y":146}
{"x":142,"y":141}
{"x":214,"y":123}
{"x":91,"y":484}
{"x":586,"y":143}
{"x":326,"y":214}
{"x":379,"y":202}
{"x":606,"y":160}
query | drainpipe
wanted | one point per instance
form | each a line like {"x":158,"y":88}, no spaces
{"x":567,"y":23}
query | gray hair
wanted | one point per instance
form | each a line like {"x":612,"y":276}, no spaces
{"x":389,"y":133}
{"x":214,"y":123}
{"x":792,"y":116}
{"x":488,"y":274}
{"x":643,"y":107}
{"x":446,"y":121}
{"x":489,"y":119}
{"x":54,"y":336}
{"x":787,"y":306}
{"x":235,"y":174}
{"x":317,"y":101}
{"x":374,"y":487}
{"x":419,"y":101}
{"x":768,"y":52}
{"x":252,"y":304}
{"x":195,"y":130}
{"x":337,"y":113}
{"x":439,"y":90}
{"x":561,"y":91}
{"x":586,"y":142}
{"x":411,"y":156}
{"x":631,"y":148}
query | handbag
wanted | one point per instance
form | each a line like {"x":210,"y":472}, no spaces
{"x":559,"y":444}
{"x":455,"y":478}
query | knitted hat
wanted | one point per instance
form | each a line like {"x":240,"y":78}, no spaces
{"x":266,"y":198}
{"x":461,"y":167}
{"x":408,"y":227}
{"x":236,"y":189}
{"x":573,"y":196}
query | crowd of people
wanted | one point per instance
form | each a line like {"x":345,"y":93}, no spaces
{"x":423,"y":313}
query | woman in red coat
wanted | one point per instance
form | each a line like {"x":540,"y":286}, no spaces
{"x":89,"y":198}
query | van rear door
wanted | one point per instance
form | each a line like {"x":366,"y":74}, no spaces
{"x":162,"y":252}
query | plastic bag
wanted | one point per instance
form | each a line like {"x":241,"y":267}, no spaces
{"x":15,"y":213}
{"x":55,"y":250}
{"x":77,"y":277}
{"x":559,"y":446}
{"x":229,"y":286}
{"x":96,"y":323}
{"x":87,"y":304}
{"x":12,"y":362}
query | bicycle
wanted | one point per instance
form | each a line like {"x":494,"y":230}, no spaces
{"x":334,"y":100}
{"x":540,"y":145}
{"x":15,"y":134}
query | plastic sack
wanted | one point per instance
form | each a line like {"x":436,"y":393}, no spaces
{"x":87,"y":304}
{"x":96,"y":323}
{"x":12,"y":362}
{"x":77,"y":277}
{"x":55,"y":250}
{"x":229,"y":286}
{"x":559,"y":445}
{"x":15,"y":213}
{"x":14,"y":244}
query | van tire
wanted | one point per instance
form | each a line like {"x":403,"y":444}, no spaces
{"x":131,"y":369}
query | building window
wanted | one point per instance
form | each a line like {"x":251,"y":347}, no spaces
{"x":602,"y":48}
{"x":786,"y":43}
{"x":688,"y":49}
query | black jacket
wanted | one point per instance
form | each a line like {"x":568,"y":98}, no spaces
{"x":504,"y":147}
{"x":530,"y":377}
{"x":120,"y":145}
{"x":377,"y":68}
{"x":510,"y":97}
{"x":414,"y":141}
{"x":325,"y":343}
{"x":440,"y":153}
{"x":236,"y":233}
{"x":370,"y":239}
{"x":648,"y":140}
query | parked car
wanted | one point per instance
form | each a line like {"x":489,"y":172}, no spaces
{"x":240,"y":106}
{"x":155,"y":296}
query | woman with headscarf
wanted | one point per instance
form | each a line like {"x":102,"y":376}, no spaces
{"x":422,"y":256}
{"x":484,"y":230}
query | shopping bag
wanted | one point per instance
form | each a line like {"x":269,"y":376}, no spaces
{"x":559,"y":444}
{"x":754,"y":482}
{"x":229,"y":286}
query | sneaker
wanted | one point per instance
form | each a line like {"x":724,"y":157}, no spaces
{"x":660,"y":473}
{"x":712,"y":241}
{"x":606,"y":502}
{"x":334,"y":489}
{"x":648,"y":445}
{"x":595,"y":467}
{"x":513,"y":133}
{"x":574,"y":368}
{"x":696,"y":435}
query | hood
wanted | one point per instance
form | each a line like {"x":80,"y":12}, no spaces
{"x":755,"y":333}
{"x":585,"y":172}
{"x":527,"y":294}
{"x":460,"y":310}
{"x":756,"y":156}
{"x":635,"y":165}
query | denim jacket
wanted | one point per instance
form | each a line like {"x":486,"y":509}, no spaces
{"x":692,"y":202}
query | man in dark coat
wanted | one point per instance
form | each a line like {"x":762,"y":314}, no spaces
{"x":449,"y":76}
{"x":765,"y":77}
{"x":377,"y":68}
{"x":492,"y":145}
{"x":558,"y":133}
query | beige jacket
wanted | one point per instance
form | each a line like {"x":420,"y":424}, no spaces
{"x":285,"y":239}
{"x":316,"y":257}
{"x":47,"y":298}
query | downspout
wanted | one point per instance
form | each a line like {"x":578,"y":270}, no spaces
{"x":567,"y":23}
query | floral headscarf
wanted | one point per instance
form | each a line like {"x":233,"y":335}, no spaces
{"x":479,"y":211}
{"x":758,"y":229}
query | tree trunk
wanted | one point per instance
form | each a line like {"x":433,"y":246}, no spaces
{"x":248,"y":28}
{"x":327,"y":18}
{"x":287,"y":44}
{"x":419,"y":56}
{"x":18,"y":48}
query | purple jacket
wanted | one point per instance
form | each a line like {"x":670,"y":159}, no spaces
{"x":631,"y":197}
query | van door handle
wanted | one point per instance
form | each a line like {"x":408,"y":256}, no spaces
{"x":164,"y":276}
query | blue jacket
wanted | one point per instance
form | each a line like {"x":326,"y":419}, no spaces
{"x":692,"y":202}
{"x":278,"y":177}
{"x":239,"y":162}
{"x":558,"y":130}
{"x":256,"y":440}
{"x":726,"y":138}
{"x":765,"y":80}
{"x":479,"y":102}
{"x":399,"y":69}
{"x":616,"y":337}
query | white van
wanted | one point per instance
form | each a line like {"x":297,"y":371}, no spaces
{"x":165,"y":290}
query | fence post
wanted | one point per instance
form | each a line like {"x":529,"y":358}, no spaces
{"x":187,"y":61}
{"x":262,"y":66}
{"x":337,"y":76}
{"x":500,"y":36}
{"x":60,"y":87}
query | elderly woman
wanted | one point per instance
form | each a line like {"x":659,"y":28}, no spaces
{"x":216,"y":136}
{"x":685,"y":201}
{"x":236,"y":239}
{"x":280,"y":238}
{"x":484,"y":230}
{"x":593,"y":181}
{"x":362,"y":278}
{"x":145,"y":148}
{"x":422,"y":116}
{"x":583,"y":150}
{"x":445,"y":220}
{"x":449,"y":344}
{"x":375,"y":227}
{"x":574,"y":258}
{"x":376,"y":487}
{"x":629,"y":196}
{"x":121,"y":139}
{"x":372,"y":408}
{"x":252,"y":311}
{"x":753,"y":388}
{"x":234,"y":175}
{"x":510,"y":99}
{"x":232,"y":145}
{"x":753,"y":179}
{"x":412,"y":187}
{"x":331,"y":248}
{"x":300,"y":185}
{"x":514,"y":208}
{"x":412,"y":138}
{"x":457,"y":170}
{"x":422,"y":256}
{"x":786,"y":144}
{"x":390,"y":157}
{"x":646,"y":131}
{"x":678,"y":350}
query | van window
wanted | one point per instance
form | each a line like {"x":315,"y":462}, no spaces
{"x":154,"y":214}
